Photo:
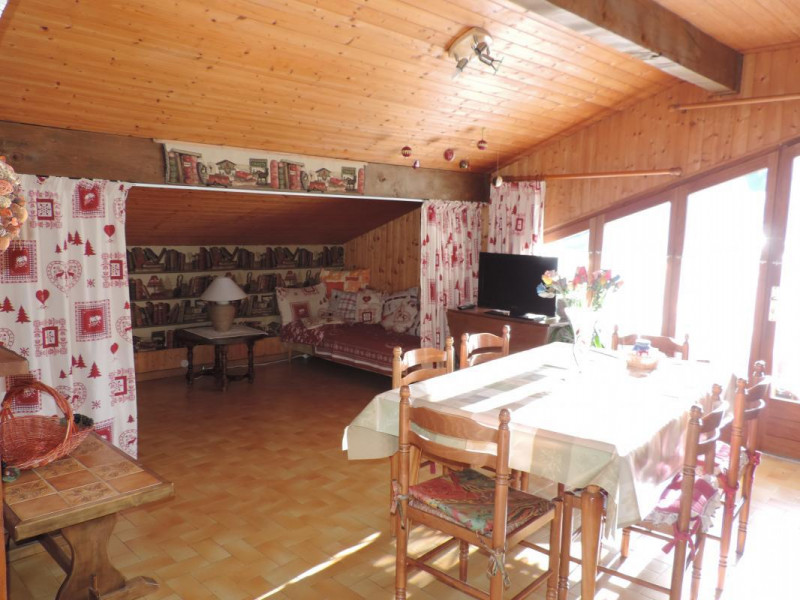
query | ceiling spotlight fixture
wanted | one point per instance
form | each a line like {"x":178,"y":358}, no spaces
{"x":473,"y":42}
{"x":464,"y":164}
{"x":406,"y":151}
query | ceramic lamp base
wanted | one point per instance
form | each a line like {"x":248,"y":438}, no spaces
{"x":221,"y":316}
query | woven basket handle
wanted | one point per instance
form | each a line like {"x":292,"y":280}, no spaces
{"x":61,"y":402}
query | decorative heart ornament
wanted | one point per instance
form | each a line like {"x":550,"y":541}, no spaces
{"x":110,"y":230}
{"x":64,"y":274}
{"x":42,"y":296}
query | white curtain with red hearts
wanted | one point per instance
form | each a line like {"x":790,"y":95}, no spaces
{"x":64,"y":303}
{"x":516,"y":218}
{"x":450,"y":243}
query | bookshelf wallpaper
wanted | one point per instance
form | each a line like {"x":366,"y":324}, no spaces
{"x":165,"y":284}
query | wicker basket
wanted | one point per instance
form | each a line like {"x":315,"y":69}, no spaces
{"x":27,"y":442}
{"x":646,"y":362}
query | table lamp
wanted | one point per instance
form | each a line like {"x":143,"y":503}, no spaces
{"x":221,"y":292}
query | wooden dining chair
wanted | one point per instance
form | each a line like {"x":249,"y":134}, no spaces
{"x":420,"y":364}
{"x":665,"y":344}
{"x":735,"y":465}
{"x":470,"y":507}
{"x":681,"y":517}
{"x":477,"y":348}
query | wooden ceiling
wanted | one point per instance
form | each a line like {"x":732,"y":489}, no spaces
{"x":192,"y":217}
{"x":746,"y":25}
{"x":353,"y":79}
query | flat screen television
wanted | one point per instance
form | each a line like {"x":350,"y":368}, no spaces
{"x":508,"y":282}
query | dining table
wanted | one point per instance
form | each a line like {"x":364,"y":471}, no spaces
{"x":584,"y":420}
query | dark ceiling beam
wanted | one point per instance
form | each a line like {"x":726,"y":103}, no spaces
{"x":649,"y":32}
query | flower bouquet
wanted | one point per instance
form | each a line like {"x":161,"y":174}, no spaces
{"x":583,"y":296}
{"x":12,"y":206}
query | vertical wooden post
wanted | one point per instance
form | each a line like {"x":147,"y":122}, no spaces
{"x":591,"y":528}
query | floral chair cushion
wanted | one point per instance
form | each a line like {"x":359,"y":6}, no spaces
{"x":467,"y":499}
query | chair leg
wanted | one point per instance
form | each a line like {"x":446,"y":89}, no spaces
{"x":566,"y":543}
{"x":554,"y":560}
{"x":626,"y":543}
{"x":400,"y":576}
{"x":463,"y":559}
{"x":744,"y":512}
{"x":697,"y":565}
{"x":523,"y":482}
{"x":725,"y":539}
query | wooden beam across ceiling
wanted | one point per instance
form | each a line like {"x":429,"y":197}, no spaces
{"x":646,"y":30}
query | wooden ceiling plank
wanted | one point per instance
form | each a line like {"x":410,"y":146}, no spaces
{"x":437,"y":65}
{"x":540,"y":59}
{"x":645,"y":29}
{"x":540,"y":33}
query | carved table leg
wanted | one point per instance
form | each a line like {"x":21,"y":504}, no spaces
{"x":223,"y":366}
{"x":190,"y":365}
{"x":251,"y":374}
{"x":89,"y":544}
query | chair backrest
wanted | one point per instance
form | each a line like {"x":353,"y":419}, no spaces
{"x":477,"y":348}
{"x":748,"y":405}
{"x":665,"y":344}
{"x":455,"y":427}
{"x":421,"y":363}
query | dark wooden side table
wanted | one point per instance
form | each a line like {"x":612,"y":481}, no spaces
{"x":81,"y":495}
{"x":238,"y":334}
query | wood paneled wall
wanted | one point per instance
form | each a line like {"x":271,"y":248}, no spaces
{"x":649,"y":135}
{"x":391,"y":252}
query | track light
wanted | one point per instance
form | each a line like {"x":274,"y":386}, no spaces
{"x":473,"y":42}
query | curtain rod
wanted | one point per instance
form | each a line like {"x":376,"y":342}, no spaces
{"x":674,"y":172}
{"x":735,"y":102}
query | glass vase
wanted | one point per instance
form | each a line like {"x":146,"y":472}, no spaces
{"x":583,"y":322}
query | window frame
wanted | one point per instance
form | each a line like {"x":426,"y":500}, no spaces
{"x":778,"y":162}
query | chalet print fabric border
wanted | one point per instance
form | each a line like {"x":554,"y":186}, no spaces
{"x":64,"y":303}
{"x":242,"y":168}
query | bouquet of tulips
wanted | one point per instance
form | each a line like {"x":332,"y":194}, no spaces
{"x":583,"y":290}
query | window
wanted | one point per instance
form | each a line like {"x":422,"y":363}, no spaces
{"x":787,"y":317}
{"x":572,"y":252}
{"x":720,"y":267}
{"x":635,"y":247}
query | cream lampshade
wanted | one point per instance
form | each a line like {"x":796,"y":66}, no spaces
{"x":221,"y":292}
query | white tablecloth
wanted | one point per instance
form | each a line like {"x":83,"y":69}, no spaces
{"x":598,"y":424}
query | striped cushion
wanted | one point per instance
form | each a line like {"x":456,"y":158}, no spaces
{"x":467,"y":499}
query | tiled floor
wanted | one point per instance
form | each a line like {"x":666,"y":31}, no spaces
{"x":267,"y":505}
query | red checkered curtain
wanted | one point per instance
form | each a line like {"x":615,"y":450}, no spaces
{"x":64,"y":303}
{"x":450,"y":244}
{"x":516,"y":218}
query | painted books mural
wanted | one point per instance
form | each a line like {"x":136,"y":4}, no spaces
{"x":220,"y":166}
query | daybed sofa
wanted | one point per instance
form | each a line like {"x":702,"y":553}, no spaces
{"x":356,"y":327}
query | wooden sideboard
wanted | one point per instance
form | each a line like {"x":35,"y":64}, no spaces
{"x":525,"y":334}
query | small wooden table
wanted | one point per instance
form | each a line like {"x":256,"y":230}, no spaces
{"x":81,"y":495}
{"x":238,"y":334}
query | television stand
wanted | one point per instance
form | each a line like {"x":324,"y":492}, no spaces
{"x":525,"y":332}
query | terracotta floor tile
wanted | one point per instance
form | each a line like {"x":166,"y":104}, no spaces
{"x":266,"y":503}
